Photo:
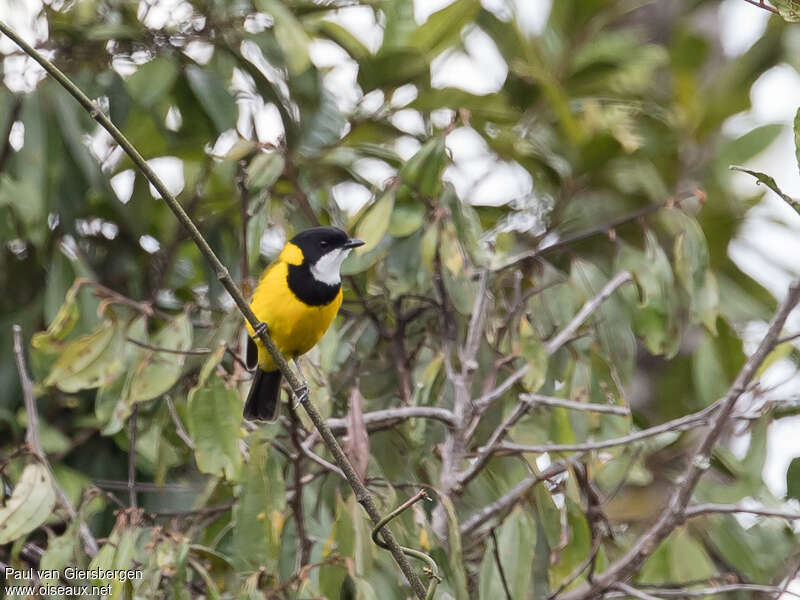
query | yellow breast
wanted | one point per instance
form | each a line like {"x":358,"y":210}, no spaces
{"x":294,"y":326}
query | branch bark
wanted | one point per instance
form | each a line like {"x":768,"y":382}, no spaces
{"x":362,"y":494}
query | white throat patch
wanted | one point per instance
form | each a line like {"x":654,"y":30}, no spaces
{"x":327,"y":268}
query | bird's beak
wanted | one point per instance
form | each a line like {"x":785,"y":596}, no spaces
{"x":353,"y":243}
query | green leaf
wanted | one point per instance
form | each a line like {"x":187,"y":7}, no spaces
{"x":692,"y":270}
{"x":423,"y":171}
{"x":407,"y":217}
{"x":151,"y":81}
{"x":341,"y":541}
{"x":264,"y":170}
{"x":788,"y":9}
{"x":516,"y":540}
{"x":290,"y":34}
{"x":793,"y":479}
{"x":455,"y":559}
{"x":770,"y":183}
{"x":443,"y":28}
{"x":258,"y":515}
{"x":797,"y":137}
{"x":156,"y":372}
{"x":215,"y":413}
{"x":375,"y":223}
{"x":751,"y":144}
{"x":549,"y":515}
{"x":90,"y":361}
{"x":533,"y":351}
{"x":30,"y":505}
{"x":213,"y":95}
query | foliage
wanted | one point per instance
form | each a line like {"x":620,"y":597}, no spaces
{"x":613,"y":112}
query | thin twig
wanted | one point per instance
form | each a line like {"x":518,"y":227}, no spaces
{"x":195,"y":351}
{"x":697,"y":510}
{"x":683,"y":592}
{"x":132,"y":457}
{"x":32,"y":440}
{"x":499,"y":563}
{"x":179,"y":430}
{"x":380,"y":418}
{"x":760,"y":4}
{"x":297,"y":498}
{"x":698,"y":419}
{"x":632,"y":591}
{"x":223,"y":275}
{"x":244,"y":199}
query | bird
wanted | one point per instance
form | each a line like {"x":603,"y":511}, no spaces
{"x":297,"y":297}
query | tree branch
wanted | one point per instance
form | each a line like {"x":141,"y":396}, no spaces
{"x":362,"y":494}
{"x":647,"y":543}
{"x":697,"y":510}
{"x":32,"y":440}
{"x":380,"y":418}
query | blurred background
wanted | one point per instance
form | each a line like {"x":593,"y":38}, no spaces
{"x":549,"y":145}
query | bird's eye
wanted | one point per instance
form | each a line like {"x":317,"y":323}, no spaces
{"x":323,"y":244}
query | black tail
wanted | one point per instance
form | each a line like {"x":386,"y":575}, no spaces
{"x":262,"y":401}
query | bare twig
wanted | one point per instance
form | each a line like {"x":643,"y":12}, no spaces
{"x":632,"y":591}
{"x":380,"y":418}
{"x":244,"y":198}
{"x":297,"y":498}
{"x":223,"y":275}
{"x":612,"y":409}
{"x":690,"y":421}
{"x":179,"y":430}
{"x":761,"y":4}
{"x":132,"y":457}
{"x":697,"y":510}
{"x":647,"y":543}
{"x":499,"y":563}
{"x":32,"y":440}
{"x":686,"y":592}
{"x":195,"y":351}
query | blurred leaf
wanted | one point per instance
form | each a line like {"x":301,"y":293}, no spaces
{"x":290,"y":35}
{"x":31,"y":503}
{"x":213,"y":96}
{"x":788,"y":9}
{"x":533,"y":351}
{"x":264,"y":170}
{"x":214,"y":418}
{"x":443,"y":27}
{"x":258,"y":514}
{"x":151,"y":81}
{"x":374,"y":224}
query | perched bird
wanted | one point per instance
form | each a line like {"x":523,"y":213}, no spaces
{"x":298,"y":297}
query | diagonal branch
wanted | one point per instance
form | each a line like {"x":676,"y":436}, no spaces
{"x":362,"y":494}
{"x":32,"y":439}
{"x":673,"y":515}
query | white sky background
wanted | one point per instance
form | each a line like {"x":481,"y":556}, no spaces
{"x":768,"y":246}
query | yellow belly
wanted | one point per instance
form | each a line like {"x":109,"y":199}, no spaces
{"x":294,"y":326}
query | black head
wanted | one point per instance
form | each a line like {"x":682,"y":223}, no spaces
{"x":318,"y":241}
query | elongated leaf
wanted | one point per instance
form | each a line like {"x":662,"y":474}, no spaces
{"x":30,"y":504}
{"x":770,"y":183}
{"x":213,"y":96}
{"x":215,"y":413}
{"x":443,"y":27}
{"x":373,"y":226}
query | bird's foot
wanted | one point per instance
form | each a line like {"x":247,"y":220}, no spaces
{"x":300,"y":396}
